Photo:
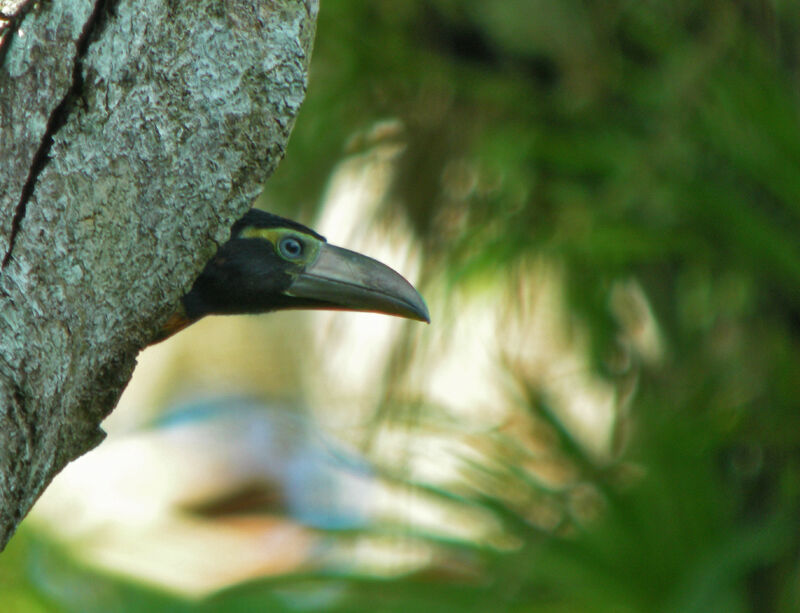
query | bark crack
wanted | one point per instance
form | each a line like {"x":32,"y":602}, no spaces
{"x":58,"y":117}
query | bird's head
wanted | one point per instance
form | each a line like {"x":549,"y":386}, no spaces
{"x":272,"y":263}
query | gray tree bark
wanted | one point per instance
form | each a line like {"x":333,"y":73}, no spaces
{"x":132,"y":135}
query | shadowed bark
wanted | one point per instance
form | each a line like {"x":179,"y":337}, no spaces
{"x":132,"y":134}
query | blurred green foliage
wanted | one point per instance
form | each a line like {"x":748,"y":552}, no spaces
{"x":658,"y":141}
{"x":651,"y":140}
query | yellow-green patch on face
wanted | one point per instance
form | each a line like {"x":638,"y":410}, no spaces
{"x":291,"y":245}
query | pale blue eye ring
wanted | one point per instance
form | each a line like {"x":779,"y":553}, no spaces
{"x":290,"y":247}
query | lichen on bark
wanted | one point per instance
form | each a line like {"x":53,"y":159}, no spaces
{"x":132,"y":135}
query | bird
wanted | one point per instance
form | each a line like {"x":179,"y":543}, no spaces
{"x":272,"y":263}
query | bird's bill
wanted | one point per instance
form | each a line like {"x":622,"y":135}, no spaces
{"x":343,"y":279}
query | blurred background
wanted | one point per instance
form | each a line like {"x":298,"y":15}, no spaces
{"x":601,"y":204}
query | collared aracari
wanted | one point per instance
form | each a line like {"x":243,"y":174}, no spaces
{"x":272,"y":263}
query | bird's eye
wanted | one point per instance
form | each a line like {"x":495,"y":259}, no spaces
{"x":290,"y":248}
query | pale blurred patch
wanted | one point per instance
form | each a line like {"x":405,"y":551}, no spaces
{"x":246,"y":355}
{"x":127,"y":505}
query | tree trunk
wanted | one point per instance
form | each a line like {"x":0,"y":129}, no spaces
{"x":132,"y":135}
